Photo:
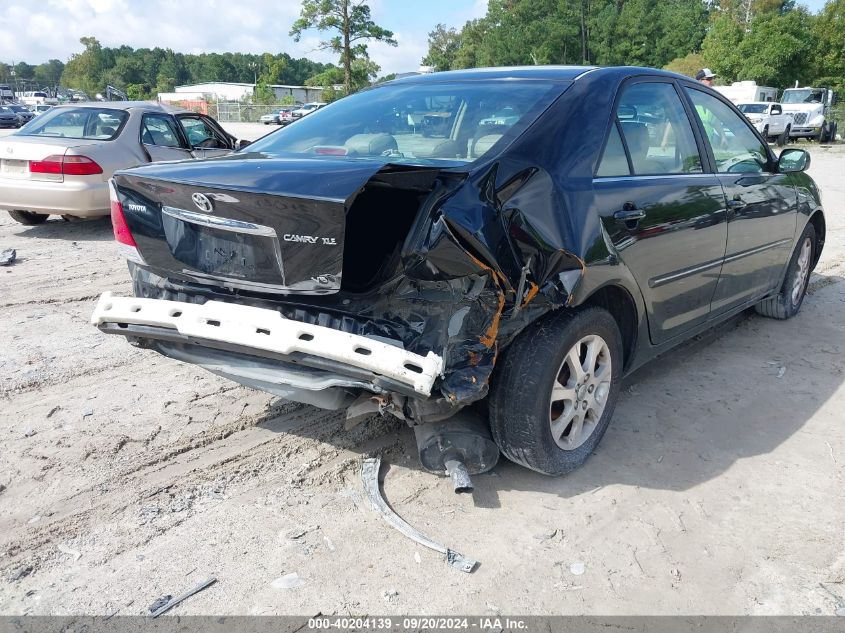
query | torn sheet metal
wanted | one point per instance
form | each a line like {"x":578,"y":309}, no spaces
{"x":369,"y":475}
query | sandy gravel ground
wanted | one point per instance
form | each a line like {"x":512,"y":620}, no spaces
{"x":125,"y":476}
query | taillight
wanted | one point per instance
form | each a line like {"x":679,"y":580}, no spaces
{"x":80,"y":166}
{"x":126,"y":245}
{"x":67,"y":165}
{"x":50,"y":165}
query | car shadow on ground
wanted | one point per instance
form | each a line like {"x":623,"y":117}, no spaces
{"x":55,"y":228}
{"x":737,"y":391}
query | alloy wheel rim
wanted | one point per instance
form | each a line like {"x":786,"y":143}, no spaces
{"x":580,"y":392}
{"x":803,"y":272}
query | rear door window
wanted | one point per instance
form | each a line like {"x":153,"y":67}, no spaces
{"x":614,"y":162}
{"x":657,"y":132}
{"x":160,"y":130}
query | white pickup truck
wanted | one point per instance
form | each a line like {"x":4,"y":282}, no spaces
{"x":769,"y":119}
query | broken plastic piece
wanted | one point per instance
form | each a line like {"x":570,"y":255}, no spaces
{"x":173,"y":602}
{"x":8,"y":256}
{"x":369,"y":475}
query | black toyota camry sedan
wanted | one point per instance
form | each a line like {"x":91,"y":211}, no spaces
{"x":506,"y":241}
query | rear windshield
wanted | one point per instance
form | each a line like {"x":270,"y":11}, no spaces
{"x":83,"y":123}
{"x":456,"y":122}
{"x":753,"y":108}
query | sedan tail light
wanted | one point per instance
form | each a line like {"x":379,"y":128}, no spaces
{"x":126,"y":245}
{"x":67,"y":165}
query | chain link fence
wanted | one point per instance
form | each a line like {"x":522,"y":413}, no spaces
{"x":237,"y":112}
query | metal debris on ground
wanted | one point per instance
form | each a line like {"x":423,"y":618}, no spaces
{"x":8,"y":256}
{"x":174,"y":601}
{"x":160,"y":602}
{"x":369,"y":475}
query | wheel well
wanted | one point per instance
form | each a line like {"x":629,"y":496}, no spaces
{"x":821,"y":228}
{"x":621,"y":306}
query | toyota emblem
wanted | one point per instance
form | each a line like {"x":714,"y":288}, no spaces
{"x":202,"y":202}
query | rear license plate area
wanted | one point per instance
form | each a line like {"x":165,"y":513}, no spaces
{"x":225,"y":254}
{"x":14,"y":168}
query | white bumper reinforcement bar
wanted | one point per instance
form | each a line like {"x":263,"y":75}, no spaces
{"x":262,"y":329}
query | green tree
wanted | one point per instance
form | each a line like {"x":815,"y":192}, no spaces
{"x":263,"y":94}
{"x":721,"y":47}
{"x":775,"y":50}
{"x":351,"y":21}
{"x":83,"y":70}
{"x":443,"y":45}
{"x":768,"y":41}
{"x":49,"y":73}
{"x":829,"y":50}
{"x":687,"y":65}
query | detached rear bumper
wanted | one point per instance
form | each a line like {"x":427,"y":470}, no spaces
{"x":264,"y":333}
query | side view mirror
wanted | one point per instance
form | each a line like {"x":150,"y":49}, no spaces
{"x":243,"y":143}
{"x":793,"y":160}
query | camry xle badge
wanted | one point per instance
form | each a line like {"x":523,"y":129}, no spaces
{"x":202,"y":202}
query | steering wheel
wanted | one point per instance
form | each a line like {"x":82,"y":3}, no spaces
{"x":209,"y":142}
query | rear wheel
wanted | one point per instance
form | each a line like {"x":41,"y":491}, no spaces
{"x":555,"y":390}
{"x":28,"y":217}
{"x":766,"y":133}
{"x":787,"y":302}
{"x":823,"y":133}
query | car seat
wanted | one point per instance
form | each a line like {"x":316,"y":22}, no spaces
{"x":371,"y":144}
{"x":637,"y":138}
{"x":485,"y":137}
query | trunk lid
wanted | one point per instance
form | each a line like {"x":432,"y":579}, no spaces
{"x":245,"y":221}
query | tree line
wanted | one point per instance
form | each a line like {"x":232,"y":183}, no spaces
{"x":144,"y":72}
{"x":773,"y":42}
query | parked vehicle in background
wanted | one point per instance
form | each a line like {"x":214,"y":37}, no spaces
{"x":308,"y":108}
{"x":25,"y":114}
{"x":286,"y":114}
{"x":769,"y":119}
{"x":275,"y":115}
{"x":9,"y":118}
{"x":810,"y":108}
{"x":40,"y":108}
{"x":6,"y":92}
{"x":420,"y":271}
{"x":60,"y":163}
{"x":747,"y":92}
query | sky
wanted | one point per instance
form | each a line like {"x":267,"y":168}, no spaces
{"x":35,"y":31}
{"x":50,"y":29}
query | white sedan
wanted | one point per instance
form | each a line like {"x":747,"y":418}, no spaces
{"x":61,"y":161}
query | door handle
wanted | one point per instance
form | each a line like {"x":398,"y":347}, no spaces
{"x":629,"y":214}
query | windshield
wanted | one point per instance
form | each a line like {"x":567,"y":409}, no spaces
{"x":803,"y":95}
{"x":753,"y":108}
{"x":83,"y":123}
{"x":454,"y":121}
